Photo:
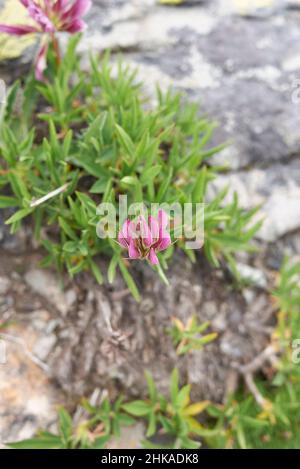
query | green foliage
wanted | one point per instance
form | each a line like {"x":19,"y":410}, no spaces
{"x":67,"y":437}
{"x":174,"y":416}
{"x":287,"y":297}
{"x":241,"y":423}
{"x":102,"y":423}
{"x":80,"y":139}
{"x":190,"y":336}
{"x":109,"y":415}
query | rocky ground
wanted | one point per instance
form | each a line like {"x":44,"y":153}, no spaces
{"x":240,"y":59}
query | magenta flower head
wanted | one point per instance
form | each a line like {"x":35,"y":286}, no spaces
{"x":144,"y":239}
{"x":50,"y":16}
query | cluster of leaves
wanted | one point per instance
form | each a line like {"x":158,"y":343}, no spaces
{"x":287,"y":298}
{"x":190,"y":336}
{"x":242,"y":423}
{"x":81,"y":139}
{"x":67,"y":437}
{"x":94,"y":432}
{"x":173,"y":417}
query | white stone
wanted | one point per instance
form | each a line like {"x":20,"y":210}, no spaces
{"x":254,"y":276}
{"x":44,"y":346}
{"x":45,"y":284}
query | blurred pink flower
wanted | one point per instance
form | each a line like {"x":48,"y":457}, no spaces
{"x":144,"y":239}
{"x":50,"y":16}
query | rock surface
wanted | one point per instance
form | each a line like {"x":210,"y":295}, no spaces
{"x":28,"y":399}
{"x":107,"y":340}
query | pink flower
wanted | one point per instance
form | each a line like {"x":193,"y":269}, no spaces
{"x":49,"y":17}
{"x":144,"y":239}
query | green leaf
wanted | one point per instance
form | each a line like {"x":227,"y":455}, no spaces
{"x":45,"y":441}
{"x":200,"y":186}
{"x":151,"y":424}
{"x":6,"y":201}
{"x":151,"y":386}
{"x":67,"y":229}
{"x":129,"y":180}
{"x":183,"y":397}
{"x":208,"y":338}
{"x":137,"y":408}
{"x":71,"y":247}
{"x":96,"y":271}
{"x":22,"y":213}
{"x":174,"y":385}
{"x":150,"y":174}
{"x":125,"y":141}
{"x":129,"y":280}
{"x":164,"y":187}
{"x":65,"y":424}
{"x":99,"y":186}
{"x":100,"y":442}
{"x":111,"y":273}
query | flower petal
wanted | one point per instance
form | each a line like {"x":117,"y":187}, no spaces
{"x":60,"y":6}
{"x":73,"y":26}
{"x":164,"y":242}
{"x":79,"y":8}
{"x":123,"y":236}
{"x":154,"y":227}
{"x":164,"y":239}
{"x":144,"y":231}
{"x":17,"y":30}
{"x":153,"y":257}
{"x":39,"y":15}
{"x":132,"y":250}
{"x":163,"y":219}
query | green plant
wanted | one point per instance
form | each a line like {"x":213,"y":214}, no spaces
{"x":287,"y":298}
{"x":80,"y":139}
{"x":109,"y":415}
{"x":174,"y":417}
{"x":242,"y":422}
{"x":101,"y":424}
{"x":190,"y":336}
{"x":67,"y":437}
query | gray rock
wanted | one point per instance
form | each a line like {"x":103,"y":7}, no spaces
{"x":254,"y":276}
{"x":4,"y":285}
{"x":239,"y":63}
{"x":276,"y":189}
{"x":46,"y":284}
{"x":44,"y":346}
